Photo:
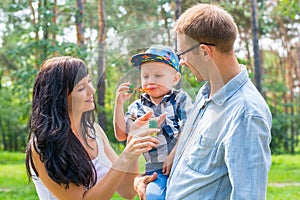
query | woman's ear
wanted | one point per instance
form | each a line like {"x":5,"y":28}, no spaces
{"x":176,"y":78}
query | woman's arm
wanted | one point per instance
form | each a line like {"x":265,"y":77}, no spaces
{"x":59,"y":191}
{"x":112,"y":181}
{"x":125,"y":188}
{"x":125,"y":168}
{"x":104,"y":189}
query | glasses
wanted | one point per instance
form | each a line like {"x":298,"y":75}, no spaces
{"x":192,"y":48}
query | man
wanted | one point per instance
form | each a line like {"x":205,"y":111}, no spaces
{"x":223,"y":152}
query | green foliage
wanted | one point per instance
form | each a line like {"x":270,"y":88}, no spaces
{"x":285,"y":127}
{"x":289,"y":8}
{"x":131,"y":27}
{"x":25,"y":46}
{"x":14,"y":121}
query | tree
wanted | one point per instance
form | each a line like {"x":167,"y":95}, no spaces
{"x":79,"y":23}
{"x":257,"y":64}
{"x":29,"y":36}
{"x":101,"y":63}
{"x":281,"y":75}
{"x":106,"y":38}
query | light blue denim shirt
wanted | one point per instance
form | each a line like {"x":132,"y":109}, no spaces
{"x":223,"y":151}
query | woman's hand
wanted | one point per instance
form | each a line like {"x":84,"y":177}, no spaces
{"x":141,"y":143}
{"x":143,"y":122}
{"x":139,"y":139}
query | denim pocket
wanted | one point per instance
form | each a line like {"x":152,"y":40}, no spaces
{"x":200,"y":155}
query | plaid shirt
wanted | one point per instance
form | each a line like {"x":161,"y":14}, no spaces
{"x":177,"y":104}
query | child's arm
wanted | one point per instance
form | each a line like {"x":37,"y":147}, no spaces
{"x":184,"y":107}
{"x":169,"y":160}
{"x":119,"y":122}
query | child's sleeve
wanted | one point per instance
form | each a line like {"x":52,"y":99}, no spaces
{"x":131,"y":115}
{"x":184,"y":106}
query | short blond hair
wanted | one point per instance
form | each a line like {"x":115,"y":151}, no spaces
{"x":209,"y":23}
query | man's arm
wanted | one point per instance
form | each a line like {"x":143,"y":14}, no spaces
{"x":248,"y":158}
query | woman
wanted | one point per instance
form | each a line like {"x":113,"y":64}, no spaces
{"x":69,"y":156}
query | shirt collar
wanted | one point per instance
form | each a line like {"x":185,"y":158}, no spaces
{"x":227,"y":90}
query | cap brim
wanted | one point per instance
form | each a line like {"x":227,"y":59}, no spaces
{"x":139,"y":59}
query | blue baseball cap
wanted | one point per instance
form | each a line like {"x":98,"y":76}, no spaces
{"x":157,"y":53}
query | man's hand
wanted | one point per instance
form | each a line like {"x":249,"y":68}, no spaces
{"x":140,"y":184}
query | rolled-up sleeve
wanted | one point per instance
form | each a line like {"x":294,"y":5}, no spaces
{"x":248,"y":157}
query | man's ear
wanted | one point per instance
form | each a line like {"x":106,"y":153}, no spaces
{"x":176,"y":78}
{"x":205,"y":51}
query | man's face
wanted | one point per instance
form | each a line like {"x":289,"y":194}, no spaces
{"x":191,"y":59}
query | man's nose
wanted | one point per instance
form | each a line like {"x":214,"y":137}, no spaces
{"x":181,"y":62}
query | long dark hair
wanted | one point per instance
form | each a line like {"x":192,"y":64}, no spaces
{"x":64,"y":157}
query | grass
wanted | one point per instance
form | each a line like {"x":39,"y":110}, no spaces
{"x":284,"y":178}
{"x":13,"y":178}
{"x":290,"y":164}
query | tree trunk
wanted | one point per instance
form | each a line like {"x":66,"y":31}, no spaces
{"x":79,"y":23}
{"x":36,"y":32}
{"x":256,"y":45}
{"x":177,"y":14}
{"x":3,"y":135}
{"x":291,"y":99}
{"x":54,"y":10}
{"x":289,"y":94}
{"x":15,"y":139}
{"x":45,"y":30}
{"x":101,"y":64}
{"x":296,"y":101}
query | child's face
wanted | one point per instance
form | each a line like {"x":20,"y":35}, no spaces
{"x":159,"y":78}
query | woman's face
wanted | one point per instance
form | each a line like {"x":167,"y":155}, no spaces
{"x":81,"y":98}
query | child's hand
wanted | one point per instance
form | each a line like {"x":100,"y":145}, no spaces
{"x":122,"y":93}
{"x":168,"y":164}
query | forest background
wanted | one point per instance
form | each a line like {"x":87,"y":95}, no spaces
{"x":106,"y":33}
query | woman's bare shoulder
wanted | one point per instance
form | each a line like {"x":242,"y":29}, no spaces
{"x":100,"y":132}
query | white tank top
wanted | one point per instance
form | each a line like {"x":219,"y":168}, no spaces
{"x":101,"y":163}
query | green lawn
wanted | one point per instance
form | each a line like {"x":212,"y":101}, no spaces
{"x":284,"y":178}
{"x":13,"y":178}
